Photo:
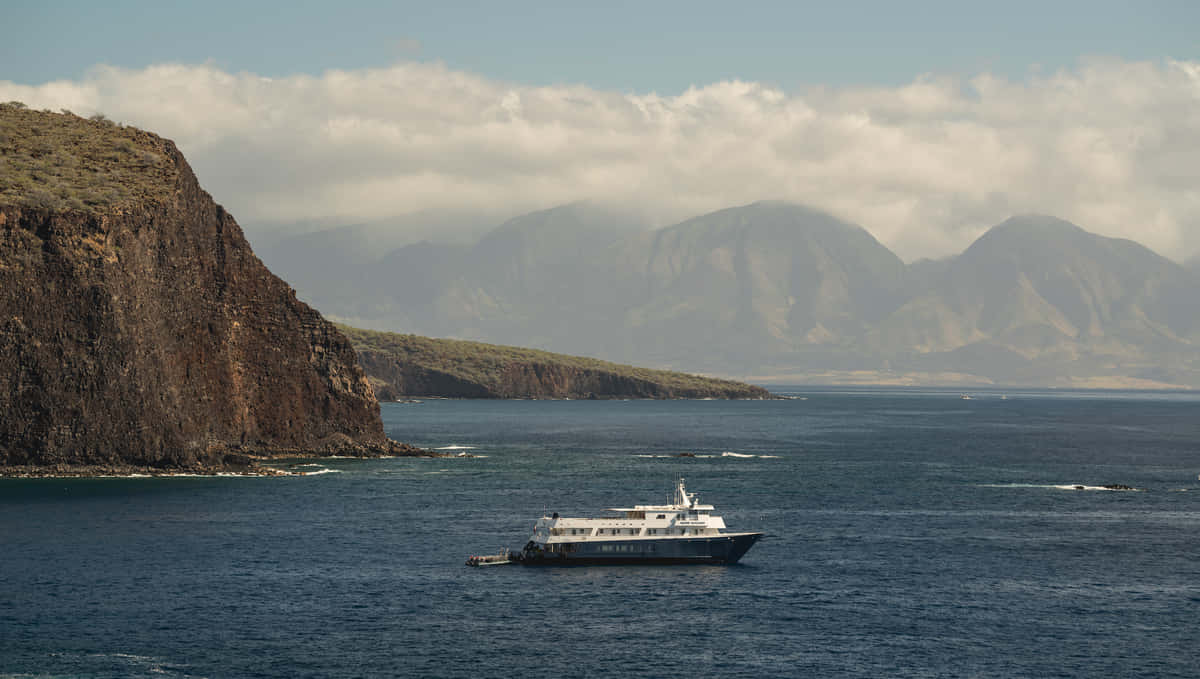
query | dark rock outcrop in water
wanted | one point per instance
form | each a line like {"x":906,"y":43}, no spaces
{"x":410,"y":365}
{"x":137,"y":328}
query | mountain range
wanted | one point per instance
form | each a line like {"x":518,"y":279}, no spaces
{"x":779,"y":292}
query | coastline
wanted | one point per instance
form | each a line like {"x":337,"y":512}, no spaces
{"x":239,"y":464}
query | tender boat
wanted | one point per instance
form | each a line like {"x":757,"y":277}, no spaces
{"x":502,"y":559}
{"x":683,"y":532}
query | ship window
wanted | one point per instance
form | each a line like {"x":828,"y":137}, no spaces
{"x":661,"y":516}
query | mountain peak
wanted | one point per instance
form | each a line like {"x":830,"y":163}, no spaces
{"x":1037,"y":223}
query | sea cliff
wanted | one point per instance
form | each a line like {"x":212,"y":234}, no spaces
{"x":139,"y":330}
{"x":402,"y":366}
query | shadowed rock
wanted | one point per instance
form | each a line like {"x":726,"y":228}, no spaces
{"x":138,"y":329}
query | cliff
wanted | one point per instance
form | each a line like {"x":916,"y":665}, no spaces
{"x":409,"y":365}
{"x":137,"y":327}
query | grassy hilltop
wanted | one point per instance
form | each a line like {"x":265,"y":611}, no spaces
{"x":64,"y":162}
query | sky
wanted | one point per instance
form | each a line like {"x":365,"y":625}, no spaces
{"x":924,"y":122}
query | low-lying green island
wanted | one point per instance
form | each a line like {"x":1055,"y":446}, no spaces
{"x":400,"y":366}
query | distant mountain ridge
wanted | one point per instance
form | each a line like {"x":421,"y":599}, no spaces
{"x":786,"y":292}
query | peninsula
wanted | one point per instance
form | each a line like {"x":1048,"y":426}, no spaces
{"x":401,"y":366}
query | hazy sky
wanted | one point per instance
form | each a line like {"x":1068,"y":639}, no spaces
{"x":924,"y":122}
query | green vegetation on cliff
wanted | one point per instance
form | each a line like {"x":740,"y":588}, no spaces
{"x":54,"y":161}
{"x":410,"y":365}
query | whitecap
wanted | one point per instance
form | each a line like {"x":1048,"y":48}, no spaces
{"x":729,"y":454}
{"x":1056,"y":486}
{"x":455,"y":447}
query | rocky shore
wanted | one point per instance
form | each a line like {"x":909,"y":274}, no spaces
{"x":231,"y":464}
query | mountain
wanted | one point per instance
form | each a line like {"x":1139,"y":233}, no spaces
{"x":138,"y":329}
{"x":712,"y":293}
{"x":787,"y":293}
{"x":407,"y":365}
{"x":330,"y":262}
{"x":1044,"y":298}
{"x":512,"y":286}
{"x":769,"y":279}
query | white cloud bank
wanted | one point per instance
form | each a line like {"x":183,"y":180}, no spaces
{"x":1113,"y":146}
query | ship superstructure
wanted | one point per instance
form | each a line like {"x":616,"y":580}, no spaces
{"x":684,"y":531}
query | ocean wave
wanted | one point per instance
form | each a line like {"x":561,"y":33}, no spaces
{"x":1057,"y":486}
{"x":321,"y":471}
{"x":704,"y":456}
{"x":455,"y":446}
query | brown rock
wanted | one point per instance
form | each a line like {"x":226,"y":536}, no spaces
{"x":145,"y":332}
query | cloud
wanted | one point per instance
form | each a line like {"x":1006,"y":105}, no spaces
{"x":1110,"y":145}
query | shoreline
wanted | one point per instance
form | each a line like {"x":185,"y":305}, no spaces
{"x":244,"y":466}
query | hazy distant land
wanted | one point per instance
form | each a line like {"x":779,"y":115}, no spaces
{"x":781,"y":293}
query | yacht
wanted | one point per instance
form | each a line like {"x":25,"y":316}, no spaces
{"x":682,"y":532}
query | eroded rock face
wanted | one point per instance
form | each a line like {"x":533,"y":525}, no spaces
{"x":148,"y":333}
{"x":396,"y":377}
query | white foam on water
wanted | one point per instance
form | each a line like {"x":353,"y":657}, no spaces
{"x":455,"y":446}
{"x":323,"y":471}
{"x":310,"y":464}
{"x":709,"y":457}
{"x":1056,"y":486}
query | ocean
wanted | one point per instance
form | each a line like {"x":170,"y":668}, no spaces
{"x":911,"y":533}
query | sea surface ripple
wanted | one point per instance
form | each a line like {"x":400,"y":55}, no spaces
{"x":912,"y":533}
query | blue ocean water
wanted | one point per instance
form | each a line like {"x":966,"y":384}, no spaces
{"x":912,"y":534}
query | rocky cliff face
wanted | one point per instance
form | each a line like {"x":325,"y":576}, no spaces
{"x":138,"y":328}
{"x":409,"y":365}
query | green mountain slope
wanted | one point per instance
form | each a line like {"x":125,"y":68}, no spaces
{"x":409,"y":365}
